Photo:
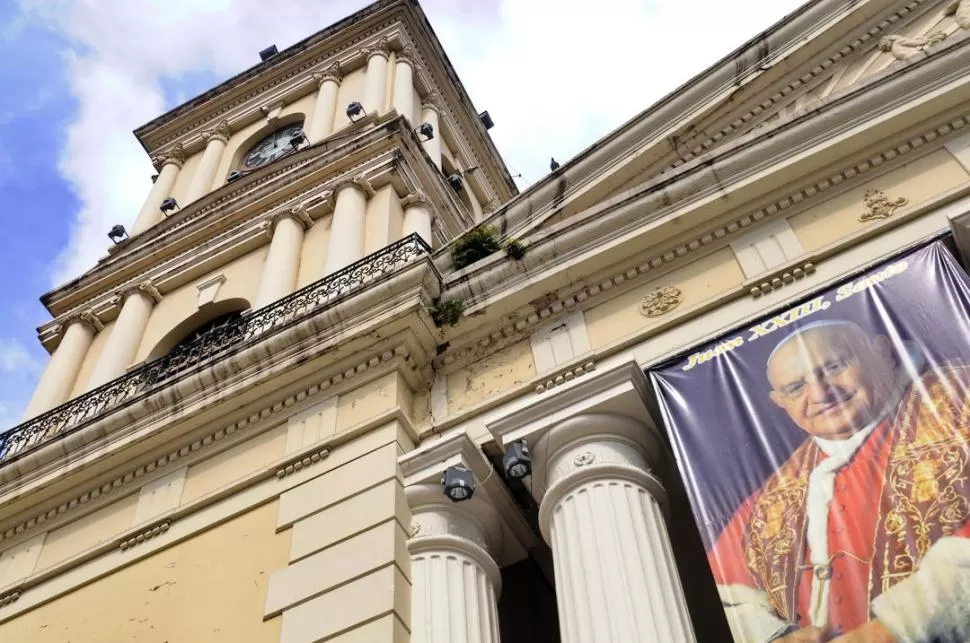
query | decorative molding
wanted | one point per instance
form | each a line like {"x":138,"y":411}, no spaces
{"x":960,"y":10}
{"x":176,"y":157}
{"x":146,"y":534}
{"x":331,"y":73}
{"x":432,"y":101}
{"x":209,"y":288}
{"x":879,"y":206}
{"x":86,"y":316}
{"x":564,"y":376}
{"x":10,"y":597}
{"x":781,"y":279}
{"x":220,"y":132}
{"x":904,"y":48}
{"x":661,"y":301}
{"x":400,"y":352}
{"x":407,"y":55}
{"x":360,"y":182}
{"x":298,"y":464}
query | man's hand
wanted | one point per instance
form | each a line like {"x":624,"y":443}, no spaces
{"x":871,"y":632}
{"x":806,"y":635}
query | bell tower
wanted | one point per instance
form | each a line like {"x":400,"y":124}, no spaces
{"x":236,"y":378}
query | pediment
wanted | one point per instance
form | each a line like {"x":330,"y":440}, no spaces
{"x":848,"y":54}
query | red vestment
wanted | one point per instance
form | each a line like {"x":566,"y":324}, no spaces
{"x":907,"y":486}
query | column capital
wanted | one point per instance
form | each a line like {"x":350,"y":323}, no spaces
{"x":175,"y":157}
{"x":471,"y":527}
{"x":86,"y":317}
{"x":407,"y":55}
{"x":219,"y":132}
{"x":415,"y":198}
{"x":298,"y":213}
{"x":432,"y":101}
{"x":380,"y":48}
{"x":331,"y":73}
{"x":593,"y":447}
{"x":145,"y":288}
{"x":359,"y":182}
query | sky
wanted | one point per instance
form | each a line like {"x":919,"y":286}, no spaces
{"x":80,"y":75}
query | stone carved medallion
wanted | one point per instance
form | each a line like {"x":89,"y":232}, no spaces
{"x":661,"y":301}
{"x":879,"y":206}
{"x":583,"y":459}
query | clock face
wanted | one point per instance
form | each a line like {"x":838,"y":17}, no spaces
{"x":272,"y":147}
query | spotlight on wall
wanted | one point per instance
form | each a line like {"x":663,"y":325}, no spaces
{"x":517,"y":460}
{"x":154,"y":178}
{"x":458,"y":483}
{"x":486,"y":120}
{"x":268,"y":53}
{"x":168,"y":205}
{"x":426,"y":130}
{"x":454,"y":180}
{"x":235,"y":175}
{"x":117,"y":233}
{"x":355,"y":111}
{"x":297,"y":140}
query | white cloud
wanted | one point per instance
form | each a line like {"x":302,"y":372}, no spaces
{"x":555,"y":74}
{"x":19,"y":371}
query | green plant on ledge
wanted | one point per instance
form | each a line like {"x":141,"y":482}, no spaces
{"x":475,"y":244}
{"x":447,"y":312}
{"x":515,"y":249}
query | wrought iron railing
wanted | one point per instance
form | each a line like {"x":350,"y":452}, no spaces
{"x":209,"y":345}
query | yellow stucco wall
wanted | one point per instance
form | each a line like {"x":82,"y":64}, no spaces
{"x":384,"y":218}
{"x":235,"y":463}
{"x":82,"y":534}
{"x":490,"y":376}
{"x":698,"y":281}
{"x":184,"y":179}
{"x":839,"y":216}
{"x":242,"y":281}
{"x":351,"y":89}
{"x":209,"y":588}
{"x":372,"y":399}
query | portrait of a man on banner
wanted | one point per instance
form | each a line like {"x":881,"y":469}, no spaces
{"x":826,"y":451}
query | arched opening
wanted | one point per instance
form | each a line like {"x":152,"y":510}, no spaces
{"x":206,"y":320}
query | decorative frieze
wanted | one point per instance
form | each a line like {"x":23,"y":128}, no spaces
{"x":905,"y":48}
{"x":960,"y":10}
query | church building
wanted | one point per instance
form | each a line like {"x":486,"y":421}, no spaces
{"x":342,"y":381}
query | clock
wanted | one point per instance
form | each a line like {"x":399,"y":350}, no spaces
{"x":272,"y":147}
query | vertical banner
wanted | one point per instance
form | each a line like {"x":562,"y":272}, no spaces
{"x":826,"y":453}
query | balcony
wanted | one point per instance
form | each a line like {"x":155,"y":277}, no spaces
{"x":248,"y":329}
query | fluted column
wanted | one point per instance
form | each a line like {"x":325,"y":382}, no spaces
{"x":168,"y":166}
{"x":347,"y":228}
{"x":55,"y":385}
{"x":616,"y":578}
{"x":325,"y":107}
{"x":430,"y":110}
{"x":417,"y":217}
{"x":375,"y":83}
{"x":215,"y":144}
{"x":283,"y":260}
{"x":126,"y":334}
{"x":455,"y":581}
{"x":403,"y":99}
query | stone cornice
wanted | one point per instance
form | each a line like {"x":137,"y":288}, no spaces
{"x":484,"y":284}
